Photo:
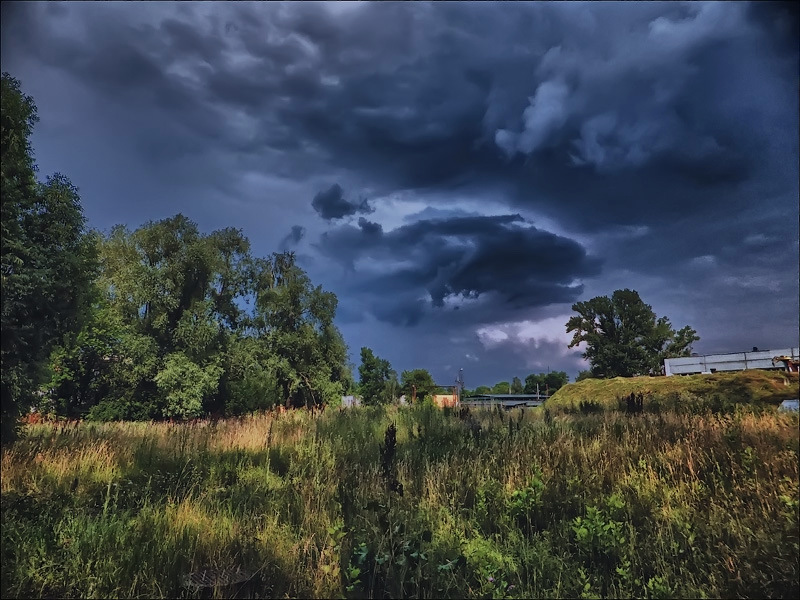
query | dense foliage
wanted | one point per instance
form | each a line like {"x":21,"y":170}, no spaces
{"x":624,"y":337}
{"x":548,"y":383}
{"x":417,"y":383}
{"x":186,"y":324}
{"x":47,"y":259}
{"x":377,"y":380}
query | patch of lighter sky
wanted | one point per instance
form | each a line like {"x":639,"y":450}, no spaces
{"x":369,"y":265}
{"x":491,"y":336}
{"x":459,"y":300}
{"x":398,"y":209}
{"x":756,"y":239}
{"x":706,"y":260}
{"x":392,"y":209}
{"x":527,"y":332}
{"x":187,"y":72}
{"x":755,"y":282}
{"x":330,"y":80}
{"x":343,"y":8}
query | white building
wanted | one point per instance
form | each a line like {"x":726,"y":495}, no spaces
{"x":735,"y":361}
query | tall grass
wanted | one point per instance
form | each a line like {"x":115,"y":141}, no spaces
{"x":490,"y":504}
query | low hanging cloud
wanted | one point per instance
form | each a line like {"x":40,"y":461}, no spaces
{"x":330,"y":204}
{"x":480,"y":264}
{"x":293,"y":238}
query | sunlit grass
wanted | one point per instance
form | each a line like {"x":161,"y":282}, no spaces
{"x":494,"y":504}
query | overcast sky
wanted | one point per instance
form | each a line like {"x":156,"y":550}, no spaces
{"x":459,"y":174}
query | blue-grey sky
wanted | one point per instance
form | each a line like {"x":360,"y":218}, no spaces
{"x":457,"y":173}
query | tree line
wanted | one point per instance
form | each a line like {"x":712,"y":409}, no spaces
{"x":542,"y":383}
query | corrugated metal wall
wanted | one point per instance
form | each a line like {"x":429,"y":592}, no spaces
{"x":736,"y":361}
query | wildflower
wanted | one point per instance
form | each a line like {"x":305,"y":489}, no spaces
{"x":491,"y":579}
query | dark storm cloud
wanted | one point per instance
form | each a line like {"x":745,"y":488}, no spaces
{"x":293,"y":237}
{"x":369,"y":229}
{"x":330,"y":204}
{"x":675,"y":120}
{"x":597,"y":114}
{"x":518,"y":265}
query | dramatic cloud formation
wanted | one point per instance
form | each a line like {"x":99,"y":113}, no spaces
{"x":330,"y":204}
{"x":293,"y":237}
{"x":429,"y":263}
{"x":515,"y":159}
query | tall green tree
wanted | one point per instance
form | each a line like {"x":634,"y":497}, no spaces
{"x":419,"y":380}
{"x":295,"y":320}
{"x":555,"y":380}
{"x":624,"y":337}
{"x":47,"y":261}
{"x":534,"y":382}
{"x":516,"y":386}
{"x":377,"y":379}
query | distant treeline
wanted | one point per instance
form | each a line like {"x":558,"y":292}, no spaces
{"x":543,"y":383}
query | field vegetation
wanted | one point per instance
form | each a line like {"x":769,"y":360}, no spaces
{"x":721,"y":390}
{"x":407,"y":502}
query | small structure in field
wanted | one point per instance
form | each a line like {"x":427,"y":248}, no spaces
{"x":442,"y":400}
{"x":790,"y":405}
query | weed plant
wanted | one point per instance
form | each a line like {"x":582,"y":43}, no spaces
{"x":408,"y":503}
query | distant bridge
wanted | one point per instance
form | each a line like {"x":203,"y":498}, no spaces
{"x":507,"y":401}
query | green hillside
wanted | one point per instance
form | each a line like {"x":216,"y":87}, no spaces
{"x":771,"y":387}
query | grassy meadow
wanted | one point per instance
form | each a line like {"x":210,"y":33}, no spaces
{"x":691,"y":393}
{"x":408,"y":502}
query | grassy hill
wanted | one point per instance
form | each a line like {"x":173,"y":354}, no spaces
{"x":771,"y":387}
